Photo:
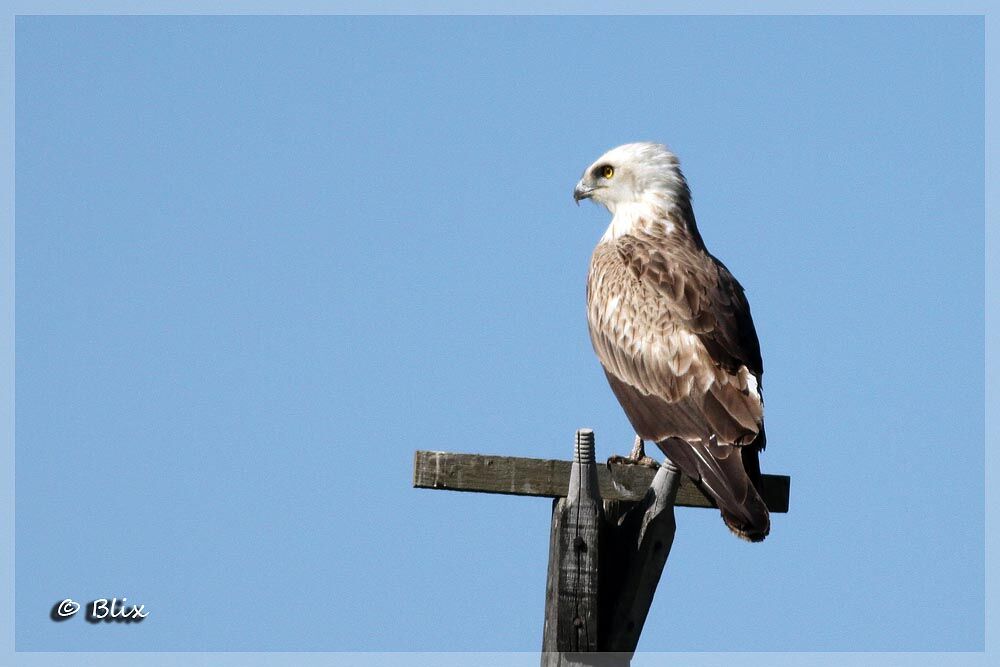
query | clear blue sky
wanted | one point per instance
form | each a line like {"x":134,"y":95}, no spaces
{"x":260,"y":261}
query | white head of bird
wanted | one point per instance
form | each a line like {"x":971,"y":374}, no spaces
{"x":638,"y":182}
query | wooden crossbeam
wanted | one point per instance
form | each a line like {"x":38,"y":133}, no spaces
{"x":612,"y":530}
{"x":550,"y":478}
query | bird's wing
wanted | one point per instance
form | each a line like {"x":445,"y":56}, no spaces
{"x":681,"y":336}
{"x":703,"y":293}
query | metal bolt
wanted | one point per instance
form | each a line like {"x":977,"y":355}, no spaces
{"x":584,"y":450}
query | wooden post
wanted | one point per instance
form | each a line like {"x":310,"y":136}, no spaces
{"x":571,"y":604}
{"x":612,"y":530}
{"x":640,"y":545}
{"x":602,"y":574}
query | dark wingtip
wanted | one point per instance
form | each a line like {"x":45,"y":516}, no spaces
{"x":750,"y":532}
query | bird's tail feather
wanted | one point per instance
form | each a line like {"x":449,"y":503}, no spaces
{"x":721,"y":470}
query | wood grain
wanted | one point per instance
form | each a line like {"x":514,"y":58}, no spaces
{"x":550,"y":478}
{"x":633,"y":555}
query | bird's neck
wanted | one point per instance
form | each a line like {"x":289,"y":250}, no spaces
{"x":658,"y":213}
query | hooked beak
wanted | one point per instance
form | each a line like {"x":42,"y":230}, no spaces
{"x":582,"y":191}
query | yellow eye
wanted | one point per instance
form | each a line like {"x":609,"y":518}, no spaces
{"x":607,"y":171}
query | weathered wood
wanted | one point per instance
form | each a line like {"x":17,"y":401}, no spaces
{"x":571,"y":634}
{"x":550,"y":478}
{"x":555,"y":612}
{"x":550,"y":654}
{"x":612,"y":531}
{"x":633,"y":558}
{"x":581,"y":514}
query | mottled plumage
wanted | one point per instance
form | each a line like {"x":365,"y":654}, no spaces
{"x":672,"y":329}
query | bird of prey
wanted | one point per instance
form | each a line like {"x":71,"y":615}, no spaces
{"x":672,"y":329}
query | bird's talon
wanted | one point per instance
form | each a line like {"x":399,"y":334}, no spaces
{"x":647,"y":461}
{"x":619,"y":460}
